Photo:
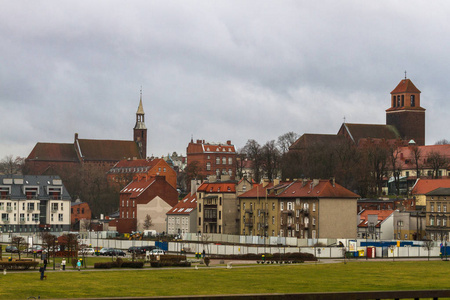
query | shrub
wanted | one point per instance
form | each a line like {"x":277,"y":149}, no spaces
{"x":132,"y":264}
{"x":119,"y":262}
{"x":18,"y":265}
{"x":105,"y":265}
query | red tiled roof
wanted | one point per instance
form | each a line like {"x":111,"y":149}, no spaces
{"x":53,"y":152}
{"x":185,"y":206}
{"x":137,"y":187}
{"x":405,"y":86}
{"x":217,"y":187}
{"x":206,"y":147}
{"x":424,"y":186}
{"x":108,"y":149}
{"x":299,"y":189}
{"x":308,"y":140}
{"x":382,"y":215}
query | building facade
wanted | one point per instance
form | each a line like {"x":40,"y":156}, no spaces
{"x":79,"y":211}
{"x":438,"y":203}
{"x":183,"y":216}
{"x":30,"y":204}
{"x":212,"y":159}
{"x":301,"y":208}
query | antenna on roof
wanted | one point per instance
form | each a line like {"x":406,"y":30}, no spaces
{"x":405,"y":74}
{"x":344,"y":119}
{"x":141,"y":92}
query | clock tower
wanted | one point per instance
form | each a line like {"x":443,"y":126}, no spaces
{"x":405,"y":112}
{"x":140,"y":131}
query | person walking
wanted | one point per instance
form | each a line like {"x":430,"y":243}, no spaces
{"x":63,"y":264}
{"x":42,"y":270}
{"x":79,"y":265}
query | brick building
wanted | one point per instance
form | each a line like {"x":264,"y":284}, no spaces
{"x":127,"y":170}
{"x":152,"y":196}
{"x":49,"y":158}
{"x":212,"y":159}
{"x":79,"y":211}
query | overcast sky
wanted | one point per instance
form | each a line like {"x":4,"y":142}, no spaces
{"x":214,"y":70}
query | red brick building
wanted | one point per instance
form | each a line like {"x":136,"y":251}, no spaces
{"x":48,"y":158}
{"x":127,"y":170}
{"x":79,"y":211}
{"x":212,"y":159}
{"x":152,"y":196}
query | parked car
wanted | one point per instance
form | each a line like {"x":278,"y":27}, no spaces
{"x":144,"y":249}
{"x":134,"y":249}
{"x":35,"y":249}
{"x":87,"y":251}
{"x":12,"y":249}
{"x":156,"y":252}
{"x":114,"y":252}
{"x":103,"y":251}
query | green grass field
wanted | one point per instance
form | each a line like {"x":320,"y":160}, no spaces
{"x":353,"y":276}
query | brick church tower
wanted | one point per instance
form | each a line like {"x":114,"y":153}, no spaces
{"x":140,"y":131}
{"x":405,"y":112}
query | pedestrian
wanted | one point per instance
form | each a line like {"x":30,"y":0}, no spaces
{"x":203,"y":253}
{"x":79,"y":264}
{"x":42,"y":270}
{"x":63,"y":264}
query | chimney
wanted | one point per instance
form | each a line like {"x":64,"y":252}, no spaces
{"x":194,"y":185}
{"x":276,"y":182}
{"x":304,"y":181}
{"x":225,"y":177}
{"x":212,"y":178}
{"x":315,"y":182}
{"x":229,"y":142}
{"x":333,"y":181}
{"x":76,"y":137}
{"x":199,"y":141}
{"x":265,"y":182}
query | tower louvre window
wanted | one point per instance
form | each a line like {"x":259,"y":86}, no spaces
{"x":403,"y":100}
{"x":395,"y":101}
{"x":413,"y":101}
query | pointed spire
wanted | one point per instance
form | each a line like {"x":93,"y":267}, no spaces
{"x":140,"y":110}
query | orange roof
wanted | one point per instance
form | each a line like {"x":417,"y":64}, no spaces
{"x":201,"y":147}
{"x":185,"y":206}
{"x":424,"y":186}
{"x":299,"y":189}
{"x":217,"y":187}
{"x":405,"y":86}
{"x":382,"y":215}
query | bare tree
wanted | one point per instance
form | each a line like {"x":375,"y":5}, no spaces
{"x":436,"y":162}
{"x":253,"y":152}
{"x":20,"y":243}
{"x":286,"y":140}
{"x":428,"y":245}
{"x":270,"y":160}
{"x":443,"y":142}
{"x":395,"y":164}
{"x":147,"y":222}
{"x":11,"y":166}
{"x":416,"y":156}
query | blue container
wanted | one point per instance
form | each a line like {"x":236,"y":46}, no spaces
{"x":355,"y":253}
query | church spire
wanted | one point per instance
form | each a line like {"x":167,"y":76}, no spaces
{"x":140,"y":131}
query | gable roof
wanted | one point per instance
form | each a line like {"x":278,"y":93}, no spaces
{"x":405,"y":86}
{"x":382,"y":215}
{"x":108,"y":150}
{"x":137,"y":187}
{"x":440,"y":192}
{"x":424,"y":186}
{"x":373,"y":131}
{"x":407,"y":154}
{"x":185,"y":206}
{"x":53,"y":152}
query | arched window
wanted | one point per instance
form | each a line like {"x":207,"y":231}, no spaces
{"x":413,"y":101}
{"x":395,"y":101}
{"x":224,"y":160}
{"x":217,"y":160}
{"x":230,"y":160}
{"x":403,"y":100}
{"x":398,"y":101}
{"x":208,"y":166}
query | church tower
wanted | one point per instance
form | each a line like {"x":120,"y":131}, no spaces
{"x":405,"y":112}
{"x":140,"y":131}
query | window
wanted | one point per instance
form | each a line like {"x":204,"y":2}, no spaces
{"x":407,"y":173}
{"x":314,"y":221}
{"x":220,"y":215}
{"x":273,"y":206}
{"x":444,"y":222}
{"x":28,"y":217}
{"x":35,"y":217}
{"x":413,"y":101}
{"x":281,"y":205}
{"x":78,"y":210}
{"x":403,"y":100}
{"x":164,"y":170}
{"x":30,"y":206}
{"x":314,"y":207}
{"x":5,"y":217}
{"x":297,"y":213}
{"x":289,"y":206}
{"x":200,"y":207}
{"x":217,"y":160}
{"x":54,"y":206}
{"x":395,"y":101}
{"x":230,"y":172}
{"x":297,"y":227}
{"x":398,"y":101}
{"x":199,"y":221}
{"x":22,"y":217}
{"x":82,"y":210}
{"x":230,"y":160}
{"x":444,"y":208}
{"x":439,"y":207}
{"x":281,"y":232}
{"x":438,"y":222}
{"x":431,"y":221}
{"x":432,"y":207}
{"x":62,"y":208}
{"x":243,"y":206}
{"x":51,"y":218}
{"x":217,"y":172}
{"x":133,"y":214}
{"x":224,"y":160}
{"x":208,"y":166}
{"x":273,"y":220}
{"x":2,"y":205}
{"x":60,"y":217}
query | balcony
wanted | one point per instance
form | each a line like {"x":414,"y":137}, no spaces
{"x":249,"y":211}
{"x":9,"y":209}
{"x":5,"y":221}
{"x":210,"y":220}
{"x":29,"y":210}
